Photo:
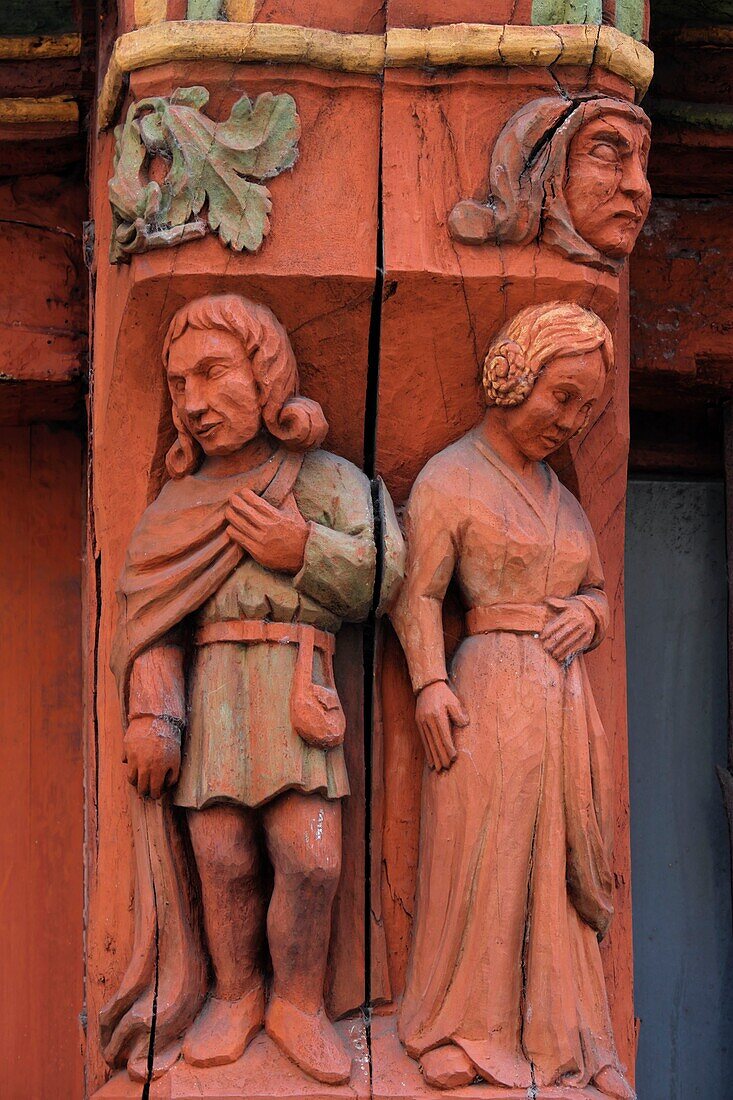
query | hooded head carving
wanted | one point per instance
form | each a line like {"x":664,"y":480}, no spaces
{"x":568,"y":173}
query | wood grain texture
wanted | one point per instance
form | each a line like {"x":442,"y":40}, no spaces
{"x":34,"y":47}
{"x":43,"y":315}
{"x":24,"y":110}
{"x":41,"y":950}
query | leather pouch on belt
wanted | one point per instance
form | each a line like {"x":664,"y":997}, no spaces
{"x":315,"y":709}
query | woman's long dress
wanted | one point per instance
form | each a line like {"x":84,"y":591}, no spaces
{"x":514,"y":836}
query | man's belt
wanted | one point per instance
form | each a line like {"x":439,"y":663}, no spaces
{"x":513,"y":618}
{"x":257,"y":630}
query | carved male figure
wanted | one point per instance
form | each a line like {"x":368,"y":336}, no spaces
{"x":237,"y":579}
{"x":571,"y":173}
{"x":514,"y":886}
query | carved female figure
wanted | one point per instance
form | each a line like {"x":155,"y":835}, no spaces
{"x":237,"y":578}
{"x":515,"y":887}
{"x":571,"y":173}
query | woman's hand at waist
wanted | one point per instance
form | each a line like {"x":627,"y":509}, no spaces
{"x":438,"y":709}
{"x":274,"y":537}
{"x":570,"y":631}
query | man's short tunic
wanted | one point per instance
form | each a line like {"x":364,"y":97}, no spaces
{"x":240,"y":745}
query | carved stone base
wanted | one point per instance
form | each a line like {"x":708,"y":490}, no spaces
{"x":262,"y":1073}
{"x":395,"y":1076}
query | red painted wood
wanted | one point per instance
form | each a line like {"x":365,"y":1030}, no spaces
{"x":41,"y":841}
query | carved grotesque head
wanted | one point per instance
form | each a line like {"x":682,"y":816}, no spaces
{"x":231,"y":375}
{"x":545,"y":371}
{"x":571,"y":172}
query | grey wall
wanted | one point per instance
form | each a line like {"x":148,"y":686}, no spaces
{"x":676,"y":606}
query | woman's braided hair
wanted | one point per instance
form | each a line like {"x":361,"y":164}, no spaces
{"x":533,"y":338}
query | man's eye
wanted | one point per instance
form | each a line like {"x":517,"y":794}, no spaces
{"x":179,"y":386}
{"x":562,"y":397}
{"x":216,"y":371}
{"x":605,"y":152}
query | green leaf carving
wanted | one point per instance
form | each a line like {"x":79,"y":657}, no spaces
{"x":171,"y":159}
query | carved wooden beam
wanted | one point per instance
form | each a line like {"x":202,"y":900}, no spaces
{"x":459,"y":44}
{"x":484,"y":44}
{"x":35,"y":47}
{"x":27,"y":110}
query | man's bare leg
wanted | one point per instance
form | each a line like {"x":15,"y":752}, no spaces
{"x":303,"y":834}
{"x":224,"y":840}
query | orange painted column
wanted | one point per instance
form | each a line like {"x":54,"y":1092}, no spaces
{"x":316,"y":272}
{"x":443,"y":301}
{"x":399,"y":380}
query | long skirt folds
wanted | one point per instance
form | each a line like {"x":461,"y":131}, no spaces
{"x":514,"y":884}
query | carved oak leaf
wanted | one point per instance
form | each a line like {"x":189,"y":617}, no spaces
{"x":221,"y":163}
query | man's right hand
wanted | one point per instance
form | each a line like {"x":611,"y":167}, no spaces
{"x":152,"y":752}
{"x":438,"y":709}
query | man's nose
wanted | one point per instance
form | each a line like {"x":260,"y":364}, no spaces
{"x":634,"y":181}
{"x":195,"y":400}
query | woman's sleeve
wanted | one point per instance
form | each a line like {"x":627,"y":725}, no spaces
{"x":431,"y":560}
{"x":592,"y":591}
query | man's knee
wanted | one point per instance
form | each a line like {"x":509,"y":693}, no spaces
{"x":312,"y":868}
{"x":225,"y":853}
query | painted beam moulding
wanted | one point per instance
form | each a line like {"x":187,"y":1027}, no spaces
{"x":236,"y":42}
{"x":486,"y":44}
{"x":462,"y":44}
{"x":35,"y":47}
{"x":22,"y":111}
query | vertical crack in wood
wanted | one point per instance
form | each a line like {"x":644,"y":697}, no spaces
{"x":156,"y":966}
{"x":371,"y":406}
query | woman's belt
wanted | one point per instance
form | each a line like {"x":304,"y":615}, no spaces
{"x":514,"y":618}
{"x":257,"y":630}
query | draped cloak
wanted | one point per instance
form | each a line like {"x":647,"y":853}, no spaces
{"x":514,"y":881}
{"x":178,"y":558}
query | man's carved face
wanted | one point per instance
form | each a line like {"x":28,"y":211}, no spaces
{"x":606,"y":188}
{"x":213,"y":390}
{"x":559,"y":405}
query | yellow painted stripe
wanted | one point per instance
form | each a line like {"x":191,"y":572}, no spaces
{"x":240,"y":11}
{"x":460,"y":44}
{"x":485,"y":44}
{"x":150,"y":11}
{"x":22,"y":111}
{"x":31,"y":48}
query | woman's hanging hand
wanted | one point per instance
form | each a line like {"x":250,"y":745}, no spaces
{"x":275,"y":537}
{"x":438,"y":709}
{"x":570,"y":632}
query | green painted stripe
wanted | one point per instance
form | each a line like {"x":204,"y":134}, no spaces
{"x":548,"y":13}
{"x":630,"y":17}
{"x":629,"y":14}
{"x":205,"y":9}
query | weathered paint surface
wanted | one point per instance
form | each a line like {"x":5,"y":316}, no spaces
{"x":41,"y":782}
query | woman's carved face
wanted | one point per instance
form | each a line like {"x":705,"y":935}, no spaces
{"x":213,"y":390}
{"x":606,"y":188}
{"x":559,"y":405}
